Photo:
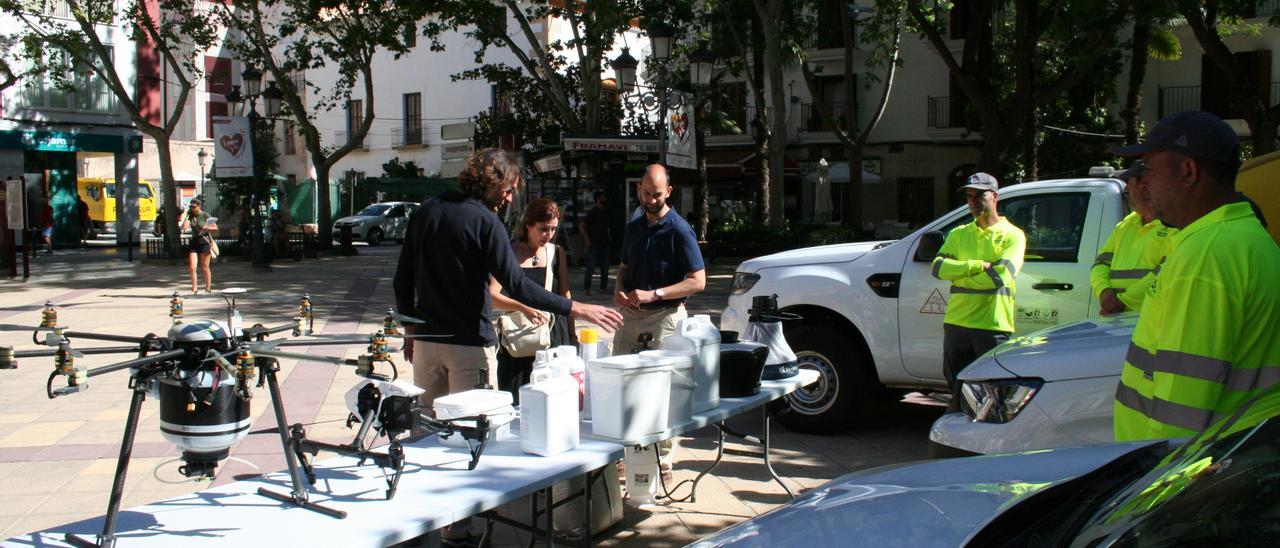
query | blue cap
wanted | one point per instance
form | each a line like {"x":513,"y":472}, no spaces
{"x":1195,"y":133}
{"x":982,"y":181}
{"x":1134,"y":172}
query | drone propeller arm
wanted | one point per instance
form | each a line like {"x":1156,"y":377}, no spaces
{"x":146,"y":360}
{"x":260,"y":330}
{"x":105,"y":337}
{"x":84,"y":351}
{"x":304,"y":357}
{"x":320,"y":342}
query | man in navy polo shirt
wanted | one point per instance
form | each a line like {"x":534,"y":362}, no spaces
{"x":661,"y":266}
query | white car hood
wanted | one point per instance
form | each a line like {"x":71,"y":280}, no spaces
{"x":1084,"y":349}
{"x":838,"y":253}
{"x":355,"y":219}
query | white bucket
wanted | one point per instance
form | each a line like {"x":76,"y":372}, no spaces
{"x":680,"y":409}
{"x":549,"y":416}
{"x":630,"y":395}
{"x":697,"y":335}
{"x":494,"y":404}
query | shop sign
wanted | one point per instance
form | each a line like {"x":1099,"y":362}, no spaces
{"x":14,"y":203}
{"x":456,"y":150}
{"x":605,"y":144}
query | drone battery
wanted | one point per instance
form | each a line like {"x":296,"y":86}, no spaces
{"x":203,"y":421}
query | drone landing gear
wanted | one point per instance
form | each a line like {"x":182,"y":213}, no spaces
{"x":393,"y":458}
{"x":138,"y":383}
{"x":299,"y":495}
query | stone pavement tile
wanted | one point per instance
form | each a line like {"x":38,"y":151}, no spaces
{"x":643,"y":528}
{"x":36,"y":522}
{"x":17,"y":506}
{"x":39,"y":434}
{"x":19,"y":418}
{"x":42,"y":477}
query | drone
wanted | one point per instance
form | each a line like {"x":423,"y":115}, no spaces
{"x":203,"y":372}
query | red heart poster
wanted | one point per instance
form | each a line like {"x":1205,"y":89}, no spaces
{"x":232,"y":153}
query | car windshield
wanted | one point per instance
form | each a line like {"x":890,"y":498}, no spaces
{"x":1221,"y":485}
{"x":375,"y":210}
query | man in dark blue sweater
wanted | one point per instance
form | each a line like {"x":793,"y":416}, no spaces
{"x":454,"y":242}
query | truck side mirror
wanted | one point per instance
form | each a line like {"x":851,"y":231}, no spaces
{"x":930,"y":243}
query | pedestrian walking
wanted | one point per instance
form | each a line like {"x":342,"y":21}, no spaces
{"x":199,"y":224}
{"x":981,"y":259}
{"x":82,"y":218}
{"x":661,"y":266}
{"x":544,"y":263}
{"x":595,"y":230}
{"x":453,"y":245}
{"x":1125,"y":265}
{"x":46,"y":226}
{"x":1206,"y":339}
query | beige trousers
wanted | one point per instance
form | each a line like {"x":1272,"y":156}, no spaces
{"x":443,"y":369}
{"x":660,"y":323}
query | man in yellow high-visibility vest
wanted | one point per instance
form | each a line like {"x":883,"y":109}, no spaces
{"x":1125,"y":266}
{"x":1208,"y":336}
{"x":981,"y":260}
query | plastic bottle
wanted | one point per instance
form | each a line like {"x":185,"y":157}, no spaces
{"x":589,"y":342}
{"x":642,"y":474}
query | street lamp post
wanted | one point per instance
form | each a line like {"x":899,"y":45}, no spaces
{"x":271,"y":98}
{"x":201,"y":156}
{"x":657,"y":97}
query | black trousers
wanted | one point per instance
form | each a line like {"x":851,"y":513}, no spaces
{"x":960,"y":346}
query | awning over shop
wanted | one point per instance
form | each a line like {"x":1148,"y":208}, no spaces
{"x":735,"y":164}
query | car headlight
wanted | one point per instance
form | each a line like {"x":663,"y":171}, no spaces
{"x":744,"y":281}
{"x":998,"y":401}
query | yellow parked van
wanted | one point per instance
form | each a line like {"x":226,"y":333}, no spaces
{"x":100,"y":194}
{"x":1259,"y":179}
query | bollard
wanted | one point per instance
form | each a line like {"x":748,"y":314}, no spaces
{"x":344,"y":240}
{"x":130,"y":246}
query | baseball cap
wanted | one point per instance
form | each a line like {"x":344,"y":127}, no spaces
{"x":1134,"y":172}
{"x":1195,"y":133}
{"x":982,"y":181}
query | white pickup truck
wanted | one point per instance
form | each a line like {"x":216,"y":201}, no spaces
{"x":872,"y":312}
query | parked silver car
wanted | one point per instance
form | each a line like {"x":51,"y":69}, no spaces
{"x":1051,"y":388}
{"x":378,"y":222}
{"x":1217,"y":489}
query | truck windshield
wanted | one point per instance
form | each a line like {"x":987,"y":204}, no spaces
{"x":144,"y":191}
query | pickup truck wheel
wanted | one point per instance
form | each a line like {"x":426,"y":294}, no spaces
{"x":827,"y":406}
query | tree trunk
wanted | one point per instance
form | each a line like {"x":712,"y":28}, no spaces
{"x":324,"y":217}
{"x":852,"y":129}
{"x":701,"y":207}
{"x":172,"y":238}
{"x":1264,"y":135}
{"x":759,"y":125}
{"x":1131,"y":115}
{"x":777,"y":119}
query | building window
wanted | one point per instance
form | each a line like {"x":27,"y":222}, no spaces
{"x":81,"y":89}
{"x":915,"y":200}
{"x":1215,"y":92}
{"x":355,"y":117}
{"x":411,"y":37}
{"x":412,"y":119}
{"x":291,"y":179}
{"x":217,"y":82}
{"x":290,"y":138}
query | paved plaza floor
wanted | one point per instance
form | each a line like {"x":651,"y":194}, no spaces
{"x":57,"y":457}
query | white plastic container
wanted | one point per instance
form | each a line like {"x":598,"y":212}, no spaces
{"x":642,"y":474}
{"x":680,"y":409}
{"x":494,"y":404}
{"x":630,"y":395}
{"x":549,"y":416}
{"x":565,"y":358}
{"x":697,"y":335}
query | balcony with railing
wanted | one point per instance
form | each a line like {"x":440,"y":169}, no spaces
{"x":945,"y":113}
{"x":407,"y":136}
{"x":340,"y":138}
{"x":1175,"y":99}
{"x":811,"y":119}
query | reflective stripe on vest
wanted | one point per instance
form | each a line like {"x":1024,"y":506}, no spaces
{"x":1167,"y":412}
{"x":1004,"y":290}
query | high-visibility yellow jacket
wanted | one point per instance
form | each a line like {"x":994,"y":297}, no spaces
{"x":1208,"y":337}
{"x":981,"y":298}
{"x":1128,"y":259}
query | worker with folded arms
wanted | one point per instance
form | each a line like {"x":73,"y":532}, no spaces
{"x":981,"y":260}
{"x":1207,"y":339}
{"x":1126,"y":263}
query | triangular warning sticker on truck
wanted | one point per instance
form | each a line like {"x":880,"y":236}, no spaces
{"x":935,"y":304}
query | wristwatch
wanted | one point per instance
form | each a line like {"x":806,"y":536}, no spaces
{"x":658,"y":293}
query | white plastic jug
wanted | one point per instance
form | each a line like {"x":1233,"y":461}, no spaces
{"x":549,"y":416}
{"x":642,"y":474}
{"x":697,"y":335}
{"x":680,"y":409}
{"x":630,"y":396}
